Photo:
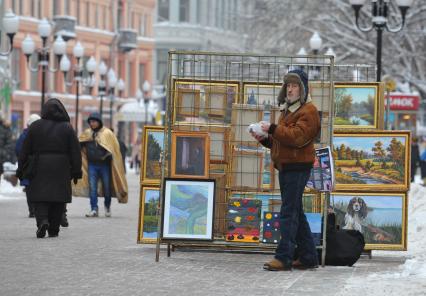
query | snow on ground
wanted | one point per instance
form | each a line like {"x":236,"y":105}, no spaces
{"x":7,"y":189}
{"x":409,"y":278}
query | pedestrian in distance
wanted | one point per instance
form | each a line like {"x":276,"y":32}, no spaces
{"x":50,"y":158}
{"x":415,"y":157}
{"x":6,"y":143}
{"x":291,"y":141}
{"x":18,"y":147}
{"x":102,"y":161}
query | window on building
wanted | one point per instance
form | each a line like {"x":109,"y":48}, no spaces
{"x":15,"y":66}
{"x":55,"y":7}
{"x":184,"y":11}
{"x":142,"y":25}
{"x":33,"y":8}
{"x":162,"y":57}
{"x":21,"y":7}
{"x":67,"y":7}
{"x":77,"y":13}
{"x":88,"y":14}
{"x":128,"y":80}
{"x":39,"y":9}
{"x":120,"y":14}
{"x":97,"y":16}
{"x":163,"y":10}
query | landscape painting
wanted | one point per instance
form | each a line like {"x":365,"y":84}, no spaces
{"x":380,"y":217}
{"x":153,"y":149}
{"x":188,"y":209}
{"x":148,"y":223}
{"x":262,"y":94}
{"x":357,"y":105}
{"x":376,"y":161}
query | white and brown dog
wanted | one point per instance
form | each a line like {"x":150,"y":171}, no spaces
{"x":355,"y":214}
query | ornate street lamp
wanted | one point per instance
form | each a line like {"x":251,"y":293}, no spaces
{"x":59,"y":49}
{"x":146,"y":87}
{"x":10,"y":26}
{"x":112,"y":82}
{"x":379,"y":21}
{"x":103,"y":69}
{"x":65,"y":66}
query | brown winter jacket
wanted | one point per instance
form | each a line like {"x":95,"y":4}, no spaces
{"x":292,"y":140}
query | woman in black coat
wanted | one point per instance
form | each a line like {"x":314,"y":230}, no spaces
{"x":55,"y":146}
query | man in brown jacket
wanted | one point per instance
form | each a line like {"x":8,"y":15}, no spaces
{"x":292,"y":149}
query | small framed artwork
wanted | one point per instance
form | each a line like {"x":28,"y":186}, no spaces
{"x":264,"y":94}
{"x":218,"y":137}
{"x":268,"y":171}
{"x":242,"y":117}
{"x":243,"y":220}
{"x":188,"y":102}
{"x":203,"y":102}
{"x":372,"y":160}
{"x":246,"y":170}
{"x":148,"y":219}
{"x":190,"y":154}
{"x":216,"y":100}
{"x":358,"y":105}
{"x":153,"y":147}
{"x":380,"y":217}
{"x":188,"y":209}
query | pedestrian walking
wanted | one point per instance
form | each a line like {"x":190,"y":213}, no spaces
{"x":18,"y":148}
{"x":291,"y":141}
{"x":415,"y":157}
{"x":6,"y":144}
{"x":102,"y":161}
{"x":50,"y":158}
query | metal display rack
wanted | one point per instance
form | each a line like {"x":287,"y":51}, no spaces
{"x":221,"y":94}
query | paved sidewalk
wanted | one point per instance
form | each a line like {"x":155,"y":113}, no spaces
{"x":99,"y":256}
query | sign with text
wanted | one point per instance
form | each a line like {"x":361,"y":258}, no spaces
{"x":404,"y":102}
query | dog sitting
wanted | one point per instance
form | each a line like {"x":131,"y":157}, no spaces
{"x":355,"y":214}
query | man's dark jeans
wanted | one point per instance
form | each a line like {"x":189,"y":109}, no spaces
{"x":97,"y":171}
{"x":293,"y":224}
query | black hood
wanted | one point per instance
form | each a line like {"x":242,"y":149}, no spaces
{"x":53,"y":109}
{"x":96,"y":116}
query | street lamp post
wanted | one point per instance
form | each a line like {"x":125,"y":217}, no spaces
{"x":59,"y":49}
{"x":103,"y":69}
{"x":112,"y":82}
{"x":10,"y":26}
{"x":379,"y":19}
{"x":315,"y":44}
{"x":65,"y":66}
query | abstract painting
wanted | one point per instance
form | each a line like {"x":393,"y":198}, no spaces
{"x":188,"y":209}
{"x":271,"y":228}
{"x":380,"y":217}
{"x":243,"y":220}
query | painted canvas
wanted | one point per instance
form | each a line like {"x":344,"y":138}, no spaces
{"x":243,"y":220}
{"x":261,"y":94}
{"x":357,"y":105}
{"x":376,"y":161}
{"x":153,"y":145}
{"x":148,"y":220}
{"x":314,"y":220}
{"x":380,"y":217}
{"x":188,"y":209}
{"x":271,"y":228}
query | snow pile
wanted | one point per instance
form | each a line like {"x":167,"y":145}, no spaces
{"x":6,"y":188}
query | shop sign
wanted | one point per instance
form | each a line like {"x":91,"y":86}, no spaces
{"x":404,"y":102}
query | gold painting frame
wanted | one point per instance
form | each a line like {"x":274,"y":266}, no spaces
{"x":380,"y":169}
{"x":142,"y":209}
{"x":204,"y":147}
{"x":242,"y":176}
{"x":355,"y":90}
{"x":259,"y":86}
{"x":382,"y":198}
{"x":180,"y":102}
{"x":145,"y":180}
{"x":242,"y":116}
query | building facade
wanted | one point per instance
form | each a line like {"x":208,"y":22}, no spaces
{"x":205,"y":25}
{"x":118,"y":32}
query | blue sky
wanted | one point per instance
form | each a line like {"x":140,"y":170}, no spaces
{"x":375,"y":201}
{"x":360,"y":94}
{"x":158,"y":136}
{"x":152,"y":194}
{"x":364,"y":143}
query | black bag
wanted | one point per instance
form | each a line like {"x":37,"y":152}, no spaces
{"x":29,"y":169}
{"x":344,"y":247}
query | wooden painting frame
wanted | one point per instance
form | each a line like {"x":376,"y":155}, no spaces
{"x":360,"y":90}
{"x":145,"y":179}
{"x":204,"y":115}
{"x":366,"y":221}
{"x":367,"y":175}
{"x":240,"y":179}
{"x":247,"y":86}
{"x":223,"y":131}
{"x":180,"y":102}
{"x":202,"y":148}
{"x":188,"y":199}
{"x":212,"y":92}
{"x":142,"y":209}
{"x":242,"y":116}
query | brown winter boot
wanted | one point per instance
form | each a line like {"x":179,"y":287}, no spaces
{"x":276,"y":265}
